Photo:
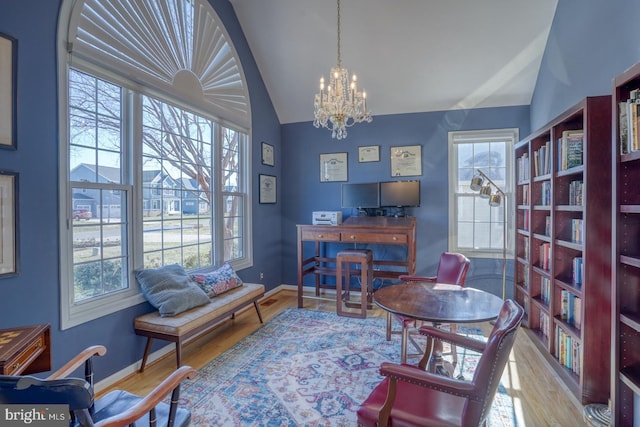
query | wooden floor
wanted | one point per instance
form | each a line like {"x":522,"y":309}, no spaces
{"x":538,"y":398}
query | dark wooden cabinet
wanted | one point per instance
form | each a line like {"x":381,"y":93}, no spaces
{"x":25,"y":350}
{"x":625,"y":347}
{"x":563,"y":244}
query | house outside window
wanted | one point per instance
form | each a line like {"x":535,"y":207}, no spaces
{"x":475,"y":227}
{"x":153,"y":164}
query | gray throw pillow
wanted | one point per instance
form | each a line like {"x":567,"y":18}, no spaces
{"x":170,"y":290}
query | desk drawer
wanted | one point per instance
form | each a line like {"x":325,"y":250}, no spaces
{"x":398,"y":238}
{"x":330,"y":236}
{"x":18,"y":363}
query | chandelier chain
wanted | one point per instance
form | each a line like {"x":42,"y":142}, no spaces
{"x":339,"y":36}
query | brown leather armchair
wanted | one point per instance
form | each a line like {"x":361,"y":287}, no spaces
{"x":117,"y":408}
{"x":452,"y":270}
{"x":410,"y":396}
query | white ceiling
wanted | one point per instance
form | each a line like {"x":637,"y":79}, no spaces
{"x":409,"y":55}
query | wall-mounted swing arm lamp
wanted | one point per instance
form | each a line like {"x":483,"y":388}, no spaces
{"x":490,"y":190}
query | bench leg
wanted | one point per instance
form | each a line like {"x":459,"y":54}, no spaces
{"x":147,"y":349}
{"x":255,"y":304}
{"x":179,"y":353}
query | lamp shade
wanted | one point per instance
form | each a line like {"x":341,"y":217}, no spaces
{"x":476,"y":183}
{"x":485,"y":192}
{"x":495,"y":200}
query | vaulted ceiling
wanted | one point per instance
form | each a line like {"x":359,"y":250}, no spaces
{"x":409,"y":55}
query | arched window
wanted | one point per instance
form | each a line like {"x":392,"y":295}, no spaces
{"x":154,"y":157}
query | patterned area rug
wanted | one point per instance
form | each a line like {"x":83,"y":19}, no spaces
{"x":305,"y":368}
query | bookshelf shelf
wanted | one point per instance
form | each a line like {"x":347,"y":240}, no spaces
{"x":625,"y":277}
{"x":568,"y":299}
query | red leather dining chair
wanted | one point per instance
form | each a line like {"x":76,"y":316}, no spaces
{"x":452,"y":270}
{"x":411,"y":396}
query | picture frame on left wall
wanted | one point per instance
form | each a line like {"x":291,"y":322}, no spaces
{"x":8,"y":63}
{"x":8,"y":224}
{"x":268,"y":189}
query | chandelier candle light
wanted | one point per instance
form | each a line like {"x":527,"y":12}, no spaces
{"x":339,"y":105}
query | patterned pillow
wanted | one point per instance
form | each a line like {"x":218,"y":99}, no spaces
{"x":217,"y":282}
{"x":169,"y":289}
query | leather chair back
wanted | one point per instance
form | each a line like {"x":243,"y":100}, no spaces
{"x":452,"y":268}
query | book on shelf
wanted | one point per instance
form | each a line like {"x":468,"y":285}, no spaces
{"x":526,"y":220}
{"x":525,"y":240}
{"x":544,"y":324}
{"x":570,"y":149}
{"x":577,"y":269}
{"x":525,"y":280}
{"x":523,"y":168}
{"x":545,"y":193}
{"x":545,"y":289}
{"x":542,"y":159}
{"x":629,"y":116}
{"x":575,"y":193}
{"x":577,"y":230}
{"x":547,"y":225}
{"x":545,"y":256}
{"x":570,"y":308}
{"x":525,"y":194}
{"x":567,"y":351}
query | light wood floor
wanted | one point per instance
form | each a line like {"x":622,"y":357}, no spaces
{"x":538,"y":397}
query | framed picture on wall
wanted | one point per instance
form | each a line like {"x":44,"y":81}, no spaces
{"x":8,"y":215}
{"x":333,"y":167}
{"x":369,"y":153}
{"x":8,"y":52}
{"x":268,"y":189}
{"x":406,"y":160}
{"x":268,"y":155}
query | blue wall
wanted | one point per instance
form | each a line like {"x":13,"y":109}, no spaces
{"x":33,"y":296}
{"x":590,"y":43}
{"x":303,"y":192}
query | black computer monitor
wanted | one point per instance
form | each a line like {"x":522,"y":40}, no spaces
{"x":362,"y":196}
{"x":400,"y":194}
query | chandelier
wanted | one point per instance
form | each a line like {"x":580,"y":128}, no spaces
{"x":339,"y":105}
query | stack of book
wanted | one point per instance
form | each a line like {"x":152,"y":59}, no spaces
{"x":577,"y":268}
{"x":570,"y":308}
{"x":545,"y":289}
{"x":567,"y":351}
{"x":570,"y":149}
{"x":545,"y":256}
{"x":545,"y":196}
{"x":523,"y":168}
{"x":542,"y":160}
{"x":628,"y":116}
{"x":577,"y":230}
{"x":575,"y":193}
{"x":544,"y":324}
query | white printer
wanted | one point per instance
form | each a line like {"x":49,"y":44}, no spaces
{"x":327,"y":218}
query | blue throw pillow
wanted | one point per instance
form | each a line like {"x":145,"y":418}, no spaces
{"x":170,"y":290}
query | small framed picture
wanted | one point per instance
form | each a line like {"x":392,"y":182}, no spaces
{"x":268,"y":155}
{"x":369,"y":153}
{"x":406,"y":160}
{"x":268,"y":189}
{"x":8,"y":53}
{"x":8,"y":226}
{"x":333,"y":167}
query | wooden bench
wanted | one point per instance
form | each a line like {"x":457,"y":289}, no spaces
{"x":198,"y":320}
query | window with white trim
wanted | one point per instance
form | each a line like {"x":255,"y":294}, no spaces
{"x":154,"y":148}
{"x":475,"y":227}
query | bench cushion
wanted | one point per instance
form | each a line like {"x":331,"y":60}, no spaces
{"x":193,"y":319}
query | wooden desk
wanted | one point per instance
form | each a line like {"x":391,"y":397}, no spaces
{"x":372,"y":230}
{"x":25,"y":350}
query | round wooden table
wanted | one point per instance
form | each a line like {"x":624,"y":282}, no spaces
{"x":437,"y":303}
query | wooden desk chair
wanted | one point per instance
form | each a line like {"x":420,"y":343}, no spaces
{"x":411,"y":396}
{"x":452,"y":270}
{"x":116,"y":409}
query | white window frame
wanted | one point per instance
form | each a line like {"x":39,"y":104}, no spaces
{"x":510,"y":136}
{"x":72,"y":313}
